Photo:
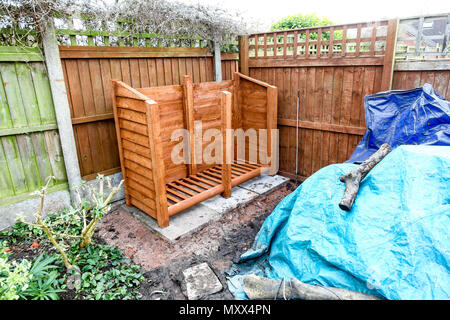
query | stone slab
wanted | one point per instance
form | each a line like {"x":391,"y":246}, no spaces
{"x":201,"y":281}
{"x":181,"y":224}
{"x":196,"y":217}
{"x":264,"y":184}
{"x":238,"y":198}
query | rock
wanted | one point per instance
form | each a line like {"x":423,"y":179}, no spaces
{"x":201,"y":281}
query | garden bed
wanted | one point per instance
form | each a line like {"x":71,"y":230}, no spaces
{"x":128,"y":261}
{"x":219,"y":244}
{"x":106,"y":273}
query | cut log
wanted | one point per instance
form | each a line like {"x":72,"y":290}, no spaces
{"x":264,"y":288}
{"x":354,"y":177}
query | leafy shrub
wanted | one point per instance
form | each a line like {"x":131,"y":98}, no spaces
{"x":45,"y":284}
{"x":14,"y":277}
{"x":301,"y":21}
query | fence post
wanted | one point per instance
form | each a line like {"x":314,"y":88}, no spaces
{"x":243,"y":54}
{"x":61,"y":104}
{"x":217,"y":61}
{"x":389,"y":53}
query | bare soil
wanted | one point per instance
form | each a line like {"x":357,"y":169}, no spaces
{"x":219,"y":243}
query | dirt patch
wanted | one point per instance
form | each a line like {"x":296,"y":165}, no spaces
{"x":219,"y":244}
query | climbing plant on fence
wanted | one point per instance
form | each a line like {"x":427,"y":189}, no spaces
{"x":124,"y":23}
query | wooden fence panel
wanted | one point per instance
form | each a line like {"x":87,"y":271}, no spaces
{"x":88,"y":72}
{"x":439,"y":79}
{"x":30,"y":149}
{"x":332,"y":68}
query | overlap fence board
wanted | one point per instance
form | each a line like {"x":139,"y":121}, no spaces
{"x":30,"y":149}
{"x":439,"y":79}
{"x":332,"y":68}
{"x":88,"y":72}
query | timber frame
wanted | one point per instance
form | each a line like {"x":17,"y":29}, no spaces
{"x":145,"y":119}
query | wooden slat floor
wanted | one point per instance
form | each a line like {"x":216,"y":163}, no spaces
{"x":206,"y":184}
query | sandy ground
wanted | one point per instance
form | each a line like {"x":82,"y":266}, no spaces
{"x":220,"y":243}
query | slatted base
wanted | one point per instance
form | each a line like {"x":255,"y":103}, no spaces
{"x":186,"y":192}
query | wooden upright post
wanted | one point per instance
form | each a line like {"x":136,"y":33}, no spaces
{"x":389,"y":53}
{"x":62,"y":109}
{"x":188,"y":106}
{"x":159,"y":172}
{"x":243,"y":54}
{"x":272,"y":97}
{"x":119,"y":140}
{"x":225,"y":104}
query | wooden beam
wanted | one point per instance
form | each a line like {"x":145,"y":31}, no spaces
{"x":388,"y":62}
{"x":115,"y":85}
{"x":29,"y":129}
{"x":425,"y":65}
{"x":225,"y":105}
{"x":320,"y":62}
{"x":259,"y":82}
{"x":243,"y":54}
{"x":159,"y":171}
{"x":97,"y":117}
{"x":88,"y":52}
{"x":322,"y":126}
{"x":272,"y":104}
{"x":237,"y":118}
{"x":188,"y":107}
{"x":229,"y":56}
{"x":24,"y":54}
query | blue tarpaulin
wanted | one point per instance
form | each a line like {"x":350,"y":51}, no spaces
{"x":397,"y":117}
{"x":394,"y":243}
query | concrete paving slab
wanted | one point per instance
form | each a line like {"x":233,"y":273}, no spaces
{"x":264,"y":184}
{"x":201,"y":281}
{"x":238,"y":197}
{"x":192,"y":219}
{"x":181,"y":224}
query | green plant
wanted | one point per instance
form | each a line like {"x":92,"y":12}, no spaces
{"x":301,"y":21}
{"x":43,"y":288}
{"x":45,"y":284}
{"x":98,"y":271}
{"x":107,"y":274}
{"x":14,"y":277}
{"x":87,"y":212}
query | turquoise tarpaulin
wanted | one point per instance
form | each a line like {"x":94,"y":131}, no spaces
{"x":394,"y":243}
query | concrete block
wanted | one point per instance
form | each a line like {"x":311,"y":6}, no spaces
{"x":193,"y":219}
{"x":181,"y":224}
{"x":264,"y":184}
{"x":54,"y":201}
{"x":238,"y":197}
{"x":201,"y":281}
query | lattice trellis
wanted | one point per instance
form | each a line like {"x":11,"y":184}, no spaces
{"x":361,"y":39}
